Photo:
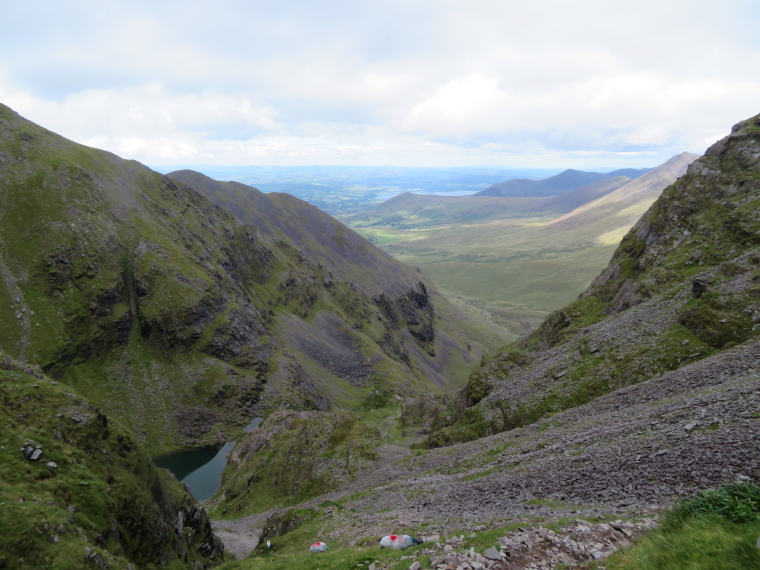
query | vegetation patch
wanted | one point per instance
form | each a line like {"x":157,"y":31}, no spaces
{"x":294,"y":456}
{"x":715,"y":325}
{"x":715,"y":529}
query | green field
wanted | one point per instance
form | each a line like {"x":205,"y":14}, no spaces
{"x":515,"y":269}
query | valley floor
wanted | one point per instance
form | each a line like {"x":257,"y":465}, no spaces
{"x":622,"y":455}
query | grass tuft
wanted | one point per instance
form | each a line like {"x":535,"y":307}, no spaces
{"x":715,"y":529}
{"x":735,"y":502}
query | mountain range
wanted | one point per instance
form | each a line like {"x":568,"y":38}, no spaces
{"x":563,"y":182}
{"x":142,"y":313}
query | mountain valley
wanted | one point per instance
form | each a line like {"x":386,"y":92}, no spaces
{"x":142,"y":314}
{"x":531,"y":254}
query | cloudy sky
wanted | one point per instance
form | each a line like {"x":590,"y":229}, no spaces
{"x":545,"y":83}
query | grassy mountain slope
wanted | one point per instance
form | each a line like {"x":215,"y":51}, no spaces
{"x":568,"y":201}
{"x":180,"y":320}
{"x":323,"y":241}
{"x":564,"y":181}
{"x":91,"y":496}
{"x":624,"y":205}
{"x":319,"y":236}
{"x":524,"y":263}
{"x":683,"y":285}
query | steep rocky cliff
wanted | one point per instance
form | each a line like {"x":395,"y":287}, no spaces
{"x":184,"y":322}
{"x":683,"y":286}
{"x":318,"y":236}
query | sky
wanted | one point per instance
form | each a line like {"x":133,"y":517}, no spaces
{"x":588,"y":84}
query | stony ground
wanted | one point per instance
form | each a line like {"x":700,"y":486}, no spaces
{"x":537,"y":548}
{"x":623,"y":455}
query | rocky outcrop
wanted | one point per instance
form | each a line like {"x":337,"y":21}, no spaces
{"x":576,"y":543}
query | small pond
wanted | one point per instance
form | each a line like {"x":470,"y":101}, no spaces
{"x":201,"y":469}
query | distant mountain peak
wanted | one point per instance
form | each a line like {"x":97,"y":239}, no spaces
{"x":565,"y":181}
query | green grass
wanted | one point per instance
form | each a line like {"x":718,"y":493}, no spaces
{"x":308,"y":458}
{"x":714,"y":530}
{"x":479,"y":475}
{"x":736,"y":502}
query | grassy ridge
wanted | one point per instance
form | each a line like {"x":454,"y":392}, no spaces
{"x":293,"y":457}
{"x":181,"y":320}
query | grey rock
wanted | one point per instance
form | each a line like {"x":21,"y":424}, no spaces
{"x":415,"y":566}
{"x":36,"y":454}
{"x":52,"y":464}
{"x":492,"y":554}
{"x":757,"y":544}
{"x":96,"y":560}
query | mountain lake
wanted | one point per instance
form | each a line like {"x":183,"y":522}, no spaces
{"x":201,"y":469}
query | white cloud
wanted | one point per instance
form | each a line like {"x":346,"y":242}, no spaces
{"x":384,"y":80}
